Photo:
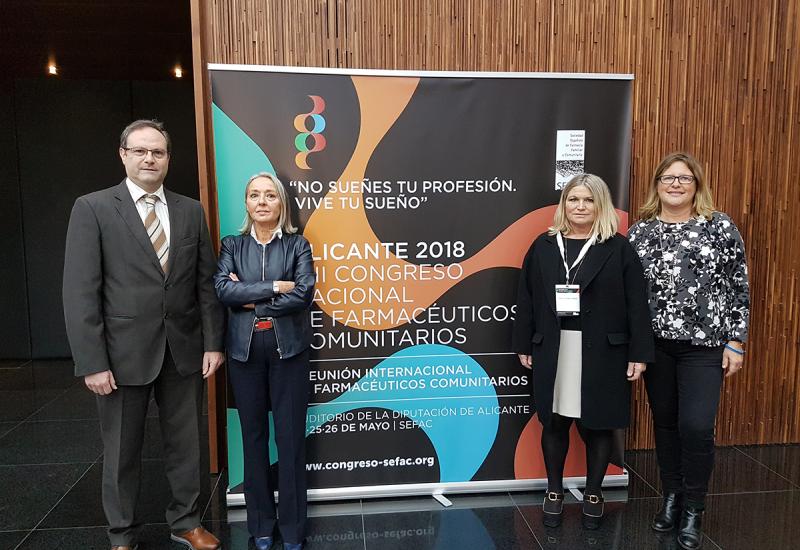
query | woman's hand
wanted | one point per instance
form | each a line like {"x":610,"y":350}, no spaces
{"x":232,"y":276}
{"x":285,"y":286}
{"x":635,"y":371}
{"x":732,"y":361}
{"x":526,"y":361}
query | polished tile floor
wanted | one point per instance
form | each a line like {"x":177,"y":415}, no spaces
{"x":51,"y":459}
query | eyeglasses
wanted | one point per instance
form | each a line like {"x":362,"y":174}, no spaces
{"x":683,"y":179}
{"x":141,"y":152}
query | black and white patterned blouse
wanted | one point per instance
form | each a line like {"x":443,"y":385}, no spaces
{"x":696,"y":275}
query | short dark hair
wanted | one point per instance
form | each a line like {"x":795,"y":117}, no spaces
{"x":144,"y":123}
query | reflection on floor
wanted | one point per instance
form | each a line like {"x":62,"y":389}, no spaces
{"x":51,"y":458}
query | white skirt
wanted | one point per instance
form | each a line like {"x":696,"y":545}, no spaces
{"x":567,"y":389}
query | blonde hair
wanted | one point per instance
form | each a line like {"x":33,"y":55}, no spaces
{"x":702,"y":202}
{"x":284,"y":221}
{"x":605,"y":220}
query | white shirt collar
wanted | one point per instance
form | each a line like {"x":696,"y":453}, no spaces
{"x":277,"y":233}
{"x":137,"y":192}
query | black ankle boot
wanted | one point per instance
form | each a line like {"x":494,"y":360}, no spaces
{"x":690,"y":533}
{"x":667,"y":518}
{"x":592,"y":511}
{"x":552,"y":508}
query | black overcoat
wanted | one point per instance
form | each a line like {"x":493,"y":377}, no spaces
{"x":615,"y":324}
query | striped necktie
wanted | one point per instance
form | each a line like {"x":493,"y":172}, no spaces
{"x":156,"y":231}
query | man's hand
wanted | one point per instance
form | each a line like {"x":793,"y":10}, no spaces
{"x":212,"y":360}
{"x":101,"y":383}
{"x":526,"y":361}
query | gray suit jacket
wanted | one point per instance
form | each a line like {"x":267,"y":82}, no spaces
{"x":120,"y":308}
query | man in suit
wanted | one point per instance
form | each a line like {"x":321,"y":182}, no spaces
{"x":142,"y":318}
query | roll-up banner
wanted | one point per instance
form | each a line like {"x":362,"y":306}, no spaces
{"x":420,"y":193}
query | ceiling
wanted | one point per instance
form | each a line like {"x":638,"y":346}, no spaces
{"x":109,"y":39}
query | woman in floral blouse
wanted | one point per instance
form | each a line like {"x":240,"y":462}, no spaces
{"x":696,"y":271}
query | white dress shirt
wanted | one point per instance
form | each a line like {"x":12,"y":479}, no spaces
{"x":277,"y":233}
{"x":137,"y":194}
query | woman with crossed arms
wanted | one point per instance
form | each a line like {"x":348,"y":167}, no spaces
{"x":265,"y":276}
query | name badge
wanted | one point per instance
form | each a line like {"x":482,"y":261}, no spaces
{"x":568,"y":300}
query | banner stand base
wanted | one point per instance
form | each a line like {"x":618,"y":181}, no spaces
{"x":441,"y":499}
{"x":436,"y":490}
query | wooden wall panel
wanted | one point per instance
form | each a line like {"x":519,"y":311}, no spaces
{"x":719,"y":79}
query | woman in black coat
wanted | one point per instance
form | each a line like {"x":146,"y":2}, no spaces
{"x":582,"y":324}
{"x":266,"y":278}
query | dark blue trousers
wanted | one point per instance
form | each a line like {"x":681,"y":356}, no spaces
{"x":265,"y":381}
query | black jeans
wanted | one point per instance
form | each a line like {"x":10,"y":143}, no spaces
{"x":683,"y":386}
{"x":266,"y":381}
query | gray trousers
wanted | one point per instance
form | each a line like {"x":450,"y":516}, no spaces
{"x":123,"y":416}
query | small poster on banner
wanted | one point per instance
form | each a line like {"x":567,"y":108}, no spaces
{"x":570,"y":151}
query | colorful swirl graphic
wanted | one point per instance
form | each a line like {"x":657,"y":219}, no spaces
{"x":315,"y":133}
{"x":381,"y":102}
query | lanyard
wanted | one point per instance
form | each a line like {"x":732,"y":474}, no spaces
{"x":584,"y":250}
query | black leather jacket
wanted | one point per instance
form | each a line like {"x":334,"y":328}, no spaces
{"x":284,"y":259}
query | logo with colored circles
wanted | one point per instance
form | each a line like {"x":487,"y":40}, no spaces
{"x":311,"y":135}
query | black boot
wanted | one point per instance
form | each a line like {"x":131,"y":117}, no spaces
{"x":592,"y":511}
{"x":667,"y":518}
{"x":690,"y":533}
{"x":552,"y":508}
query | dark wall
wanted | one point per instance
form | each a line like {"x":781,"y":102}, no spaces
{"x":15,"y":338}
{"x":173,"y":105}
{"x":67,"y":139}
